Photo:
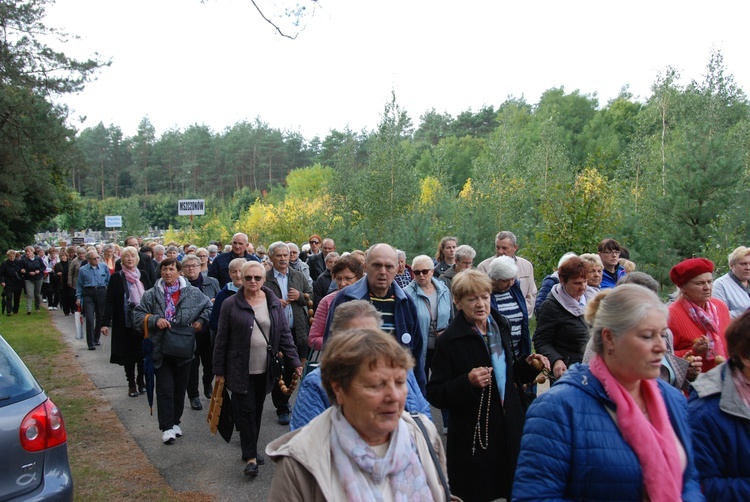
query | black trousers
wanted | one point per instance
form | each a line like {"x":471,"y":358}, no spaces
{"x":12,"y":298}
{"x":94,"y":299}
{"x":68,"y":299}
{"x":204,"y":355}
{"x":248,"y":411}
{"x":171,"y":384}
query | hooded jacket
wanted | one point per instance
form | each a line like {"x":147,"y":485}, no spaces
{"x":721,"y":430}
{"x":572,"y":449}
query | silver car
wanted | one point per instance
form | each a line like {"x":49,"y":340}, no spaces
{"x":34,"y":460}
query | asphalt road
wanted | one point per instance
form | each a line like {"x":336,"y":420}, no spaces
{"x":198,"y":461}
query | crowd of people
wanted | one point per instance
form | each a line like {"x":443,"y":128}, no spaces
{"x":376,"y":339}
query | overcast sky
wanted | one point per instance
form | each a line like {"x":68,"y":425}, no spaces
{"x":181,"y":62}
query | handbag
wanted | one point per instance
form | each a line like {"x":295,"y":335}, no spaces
{"x":178,"y":341}
{"x":275,"y":363}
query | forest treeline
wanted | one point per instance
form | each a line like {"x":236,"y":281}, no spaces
{"x":668,"y":176}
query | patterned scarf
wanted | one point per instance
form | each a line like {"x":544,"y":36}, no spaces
{"x":172,"y":294}
{"x":742,"y":384}
{"x":361,"y":470}
{"x":494,"y":344}
{"x":653,"y":442}
{"x":708,"y":320}
{"x":135,"y":286}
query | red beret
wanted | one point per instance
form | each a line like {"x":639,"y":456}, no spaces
{"x":687,"y":269}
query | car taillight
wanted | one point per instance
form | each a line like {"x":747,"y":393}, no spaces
{"x":43,"y":428}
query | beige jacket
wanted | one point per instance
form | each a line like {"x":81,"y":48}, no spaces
{"x":304,"y":469}
{"x":525,"y":276}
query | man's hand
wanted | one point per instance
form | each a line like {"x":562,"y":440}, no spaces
{"x":293,"y":295}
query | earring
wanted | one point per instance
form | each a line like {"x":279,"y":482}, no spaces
{"x":610,"y":351}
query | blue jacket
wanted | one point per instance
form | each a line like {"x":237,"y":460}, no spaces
{"x":607,"y":281}
{"x":545,"y":288}
{"x":444,"y":309}
{"x":721,"y":429}
{"x":407,"y":331}
{"x":312,"y":399}
{"x":517,"y":294}
{"x":573,"y":450}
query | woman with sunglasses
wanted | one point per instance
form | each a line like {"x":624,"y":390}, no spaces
{"x":252,"y":325}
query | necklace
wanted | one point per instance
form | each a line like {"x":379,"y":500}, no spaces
{"x":478,"y":427}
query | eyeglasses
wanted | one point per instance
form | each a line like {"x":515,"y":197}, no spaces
{"x":610,"y":252}
{"x":422,"y":272}
{"x":251,"y":278}
{"x":314,"y":242}
{"x":202,"y":255}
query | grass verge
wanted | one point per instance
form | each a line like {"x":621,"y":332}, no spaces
{"x":106,"y":462}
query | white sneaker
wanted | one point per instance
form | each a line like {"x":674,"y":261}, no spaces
{"x":177,"y":431}
{"x":50,"y":308}
{"x":168,"y":436}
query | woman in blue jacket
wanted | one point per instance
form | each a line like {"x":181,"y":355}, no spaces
{"x":611,"y":430}
{"x":720,"y":418}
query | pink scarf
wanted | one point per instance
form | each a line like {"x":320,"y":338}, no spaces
{"x":708,"y":319}
{"x":135,"y":286}
{"x":653,"y":442}
{"x":742,"y":384}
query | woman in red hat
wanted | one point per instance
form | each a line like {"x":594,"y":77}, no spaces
{"x":697,"y":320}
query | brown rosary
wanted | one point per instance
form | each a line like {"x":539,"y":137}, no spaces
{"x":287,"y":391}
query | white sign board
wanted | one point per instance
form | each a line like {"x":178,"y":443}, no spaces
{"x":189,"y":207}
{"x":113,"y":221}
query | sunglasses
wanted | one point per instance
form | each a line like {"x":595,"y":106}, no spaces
{"x":314,"y":242}
{"x":422,"y":272}
{"x":251,"y":278}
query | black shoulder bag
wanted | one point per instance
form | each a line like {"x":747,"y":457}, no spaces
{"x":275,"y":363}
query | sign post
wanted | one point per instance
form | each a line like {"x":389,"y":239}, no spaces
{"x":190,"y":207}
{"x":113,"y":222}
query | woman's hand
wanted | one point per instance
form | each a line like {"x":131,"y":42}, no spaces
{"x":163,"y":324}
{"x":219,"y":378}
{"x":559,"y":368}
{"x":298,"y":371}
{"x":700,"y":345}
{"x":480,"y":377}
{"x":197,"y":326}
{"x":543,"y":361}
{"x":696,"y":364}
{"x":105,"y":331}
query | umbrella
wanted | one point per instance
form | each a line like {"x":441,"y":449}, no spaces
{"x":148,"y":364}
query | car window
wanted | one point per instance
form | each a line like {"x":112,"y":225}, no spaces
{"x":16,"y":382}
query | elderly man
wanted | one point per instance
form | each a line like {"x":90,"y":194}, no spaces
{"x":317,"y":261}
{"x":297,"y":264}
{"x":398,"y":310}
{"x":219,"y":268}
{"x":465,"y":255}
{"x":290,"y":287}
{"x":322,"y":284}
{"x":507,"y":245}
{"x":91,"y":293}
{"x":191,"y":270}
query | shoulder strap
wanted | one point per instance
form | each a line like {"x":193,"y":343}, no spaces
{"x":441,"y":474}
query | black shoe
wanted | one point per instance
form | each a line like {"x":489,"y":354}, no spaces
{"x":284,"y":419}
{"x":195,"y":403}
{"x":97,"y":344}
{"x":207,"y":391}
{"x":251,"y":469}
{"x":260,"y":460}
{"x":92,"y":348}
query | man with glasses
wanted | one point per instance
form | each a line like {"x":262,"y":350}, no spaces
{"x":290,"y":287}
{"x":317,"y":262}
{"x":609,"y":252}
{"x":91,"y":295}
{"x":399,"y":313}
{"x":219,"y":268}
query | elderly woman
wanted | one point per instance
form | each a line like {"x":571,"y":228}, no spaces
{"x":312,"y":399}
{"x":478,"y":379}
{"x":561,"y":330}
{"x":32,"y":269}
{"x":720,"y":419}
{"x":202,"y":253}
{"x":549,"y":281}
{"x":365,"y":447}
{"x":611,"y":430}
{"x":172,"y":252}
{"x":697,"y":320}
{"x":108,"y":257}
{"x":507,"y":298}
{"x":595,"y":270}
{"x":733,"y":288}
{"x":345,"y":272}
{"x":170,"y":303}
{"x":12,"y":282}
{"x":124,"y":292}
{"x":229,"y":289}
{"x":252,"y":327}
{"x":404,"y":274}
{"x":433,"y":301}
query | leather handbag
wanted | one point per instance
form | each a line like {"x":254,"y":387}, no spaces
{"x":275,"y":362}
{"x":178,"y":341}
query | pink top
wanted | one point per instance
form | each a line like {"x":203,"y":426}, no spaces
{"x":318,"y":328}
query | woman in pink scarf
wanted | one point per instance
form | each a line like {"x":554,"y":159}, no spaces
{"x":124,"y":291}
{"x":611,"y":430}
{"x":697,"y":320}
